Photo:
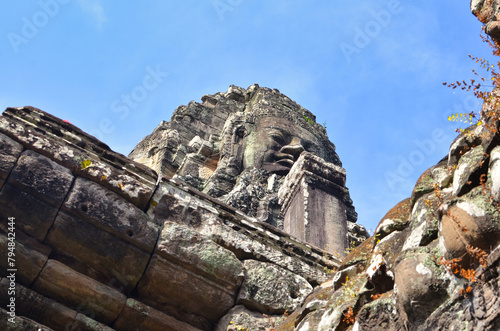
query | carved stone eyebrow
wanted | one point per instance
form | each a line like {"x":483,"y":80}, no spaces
{"x":284,"y":132}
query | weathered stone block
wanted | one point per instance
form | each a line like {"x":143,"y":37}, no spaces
{"x":39,"y":308}
{"x":420,"y":286}
{"x":79,"y":152}
{"x":288,"y":254}
{"x":138,"y":316}
{"x":191,"y":272}
{"x":28,"y":261}
{"x":112,"y":213}
{"x":35,"y":220}
{"x":271,"y":289}
{"x":424,"y":222}
{"x":42,"y":178}
{"x":37,"y":182}
{"x":63,"y":284}
{"x":312,"y":198}
{"x":380,"y":314}
{"x":9,"y":153}
{"x":191,"y":167}
{"x":20,"y":323}
{"x":463,"y":143}
{"x":194,"y":251}
{"x":395,"y":220}
{"x":184,"y":294}
{"x":494,"y":171}
{"x":205,"y":149}
{"x":106,"y":257}
{"x":467,"y":223}
{"x":425,"y":184}
{"x":196,"y":143}
{"x":468,"y":170}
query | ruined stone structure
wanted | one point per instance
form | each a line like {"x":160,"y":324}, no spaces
{"x":102,"y":242}
{"x":218,"y":233}
{"x":238,"y":146}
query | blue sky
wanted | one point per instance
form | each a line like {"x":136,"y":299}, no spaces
{"x":372,"y":71}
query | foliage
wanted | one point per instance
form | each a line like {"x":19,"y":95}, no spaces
{"x":490,"y":98}
{"x":439,"y":195}
{"x":273,"y":323}
{"x":483,"y":15}
{"x":349,"y":288}
{"x":463,"y":117}
{"x":308,"y":120}
{"x":455,"y":267}
{"x":85,"y":164}
{"x":479,"y":255}
{"x":348,"y":316}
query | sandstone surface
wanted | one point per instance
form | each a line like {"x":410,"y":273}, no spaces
{"x":103,"y":243}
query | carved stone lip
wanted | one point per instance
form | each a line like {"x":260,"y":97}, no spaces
{"x":285,"y":162}
{"x":277,"y":168}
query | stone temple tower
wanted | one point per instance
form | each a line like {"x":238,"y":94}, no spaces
{"x":262,"y":153}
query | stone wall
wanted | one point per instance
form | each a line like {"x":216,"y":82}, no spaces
{"x":102,"y":243}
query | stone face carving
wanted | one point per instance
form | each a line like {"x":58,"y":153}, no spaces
{"x":238,"y":146}
{"x":276,"y":143}
{"x":239,"y":129}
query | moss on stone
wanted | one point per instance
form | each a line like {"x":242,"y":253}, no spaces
{"x":431,"y":262}
{"x":425,"y":185}
{"x":215,"y":261}
{"x":481,"y":198}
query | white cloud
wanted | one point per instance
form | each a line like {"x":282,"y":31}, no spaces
{"x":95,"y":9}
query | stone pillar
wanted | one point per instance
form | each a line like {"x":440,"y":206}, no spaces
{"x":312,"y":199}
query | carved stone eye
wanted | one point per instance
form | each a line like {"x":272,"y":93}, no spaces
{"x":308,"y":146}
{"x":278,"y":137}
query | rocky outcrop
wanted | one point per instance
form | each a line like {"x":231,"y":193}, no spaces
{"x":488,"y":12}
{"x":434,"y":261}
{"x":97,"y":241}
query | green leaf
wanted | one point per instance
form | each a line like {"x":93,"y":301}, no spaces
{"x":86,"y":164}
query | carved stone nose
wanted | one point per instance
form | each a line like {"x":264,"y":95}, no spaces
{"x":294,"y":148}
